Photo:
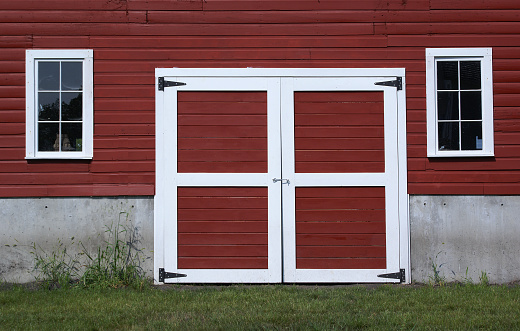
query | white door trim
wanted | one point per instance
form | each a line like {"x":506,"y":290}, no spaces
{"x":166,"y":128}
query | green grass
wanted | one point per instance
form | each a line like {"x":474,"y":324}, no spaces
{"x":263,"y":307}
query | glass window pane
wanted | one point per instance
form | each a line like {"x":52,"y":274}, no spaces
{"x":448,"y":136}
{"x":71,"y":137}
{"x":48,"y":106}
{"x":471,"y":135}
{"x":71,"y":76}
{"x":447,"y":75}
{"x":48,"y":76}
{"x":48,"y":137}
{"x":470,"y":75}
{"x":448,"y":105}
{"x":71,"y":106}
{"x":470,"y":105}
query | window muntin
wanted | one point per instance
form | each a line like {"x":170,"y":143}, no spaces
{"x":59,"y":104}
{"x":459,"y":102}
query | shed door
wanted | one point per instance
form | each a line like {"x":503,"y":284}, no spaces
{"x":222,"y":149}
{"x":278,"y":179}
{"x":340,"y":212}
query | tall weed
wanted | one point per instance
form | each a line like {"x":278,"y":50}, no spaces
{"x":116,"y":263}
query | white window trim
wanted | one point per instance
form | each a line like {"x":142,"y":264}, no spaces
{"x":31,"y":120}
{"x":485,"y":56}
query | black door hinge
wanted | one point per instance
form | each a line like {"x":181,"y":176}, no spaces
{"x":396,"y":275}
{"x":164,"y":275}
{"x":166,"y":83}
{"x":398,"y":82}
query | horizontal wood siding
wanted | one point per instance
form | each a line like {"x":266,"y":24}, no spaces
{"x":339,"y":132}
{"x":340,"y":228}
{"x":222,"y":228}
{"x":131,"y":38}
{"x":222,"y":132}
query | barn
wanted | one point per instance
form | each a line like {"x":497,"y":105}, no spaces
{"x":311,"y":141}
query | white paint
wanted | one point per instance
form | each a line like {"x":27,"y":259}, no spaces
{"x":31,"y":111}
{"x":280,"y":85}
{"x":388,"y":179}
{"x":484,"y":55}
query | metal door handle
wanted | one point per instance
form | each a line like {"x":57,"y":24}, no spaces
{"x":283,"y":180}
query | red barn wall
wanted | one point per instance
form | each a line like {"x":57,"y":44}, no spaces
{"x":131,"y":38}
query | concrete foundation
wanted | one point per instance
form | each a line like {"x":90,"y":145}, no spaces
{"x":52,"y":224}
{"x":459,"y":236}
{"x":465,"y":236}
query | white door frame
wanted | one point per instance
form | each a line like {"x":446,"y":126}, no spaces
{"x":166,"y":129}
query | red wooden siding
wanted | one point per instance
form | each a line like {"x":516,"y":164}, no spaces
{"x":131,"y":38}
{"x":222,"y":132}
{"x":222,"y":227}
{"x":339,"y":132}
{"x":340,"y":228}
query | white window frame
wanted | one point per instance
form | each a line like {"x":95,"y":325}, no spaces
{"x":31,"y":59}
{"x":484,"y":55}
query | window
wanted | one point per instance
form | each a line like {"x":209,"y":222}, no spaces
{"x":459,"y":94}
{"x":59,"y":104}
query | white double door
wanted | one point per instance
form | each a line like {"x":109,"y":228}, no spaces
{"x":267,"y":179}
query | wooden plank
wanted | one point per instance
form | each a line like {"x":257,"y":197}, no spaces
{"x":222,"y":263}
{"x":166,"y":5}
{"x":351,"y":218}
{"x":340,"y":132}
{"x":308,"y":5}
{"x":222,"y":239}
{"x":12,"y":92}
{"x":340,"y":167}
{"x":222,"y":131}
{"x":12,"y":79}
{"x":339,"y":203}
{"x":340,"y":252}
{"x":320,"y":263}
{"x":222,"y":143}
{"x":340,"y":226}
{"x":222,"y":167}
{"x":445,"y":188}
{"x":339,"y":143}
{"x":340,"y":192}
{"x":209,"y":214}
{"x":221,"y":202}
{"x":262,"y":41}
{"x":340,"y":239}
{"x":344,"y":119}
{"x":339,"y":156}
{"x":62,"y":5}
{"x":238,"y":119}
{"x":136,"y":29}
{"x":222,"y":108}
{"x":124,"y":104}
{"x":222,"y":251}
{"x":203,"y":97}
{"x":222,"y":227}
{"x":476,"y":4}
{"x":72,"y":16}
{"x":338,"y":96}
{"x":222,"y":192}
{"x":345,"y":107}
{"x":221,"y":156}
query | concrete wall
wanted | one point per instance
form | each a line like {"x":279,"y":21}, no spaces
{"x":47,"y":222}
{"x":459,"y":233}
{"x":456,"y":233}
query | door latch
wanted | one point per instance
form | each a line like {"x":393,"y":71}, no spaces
{"x":283,"y":180}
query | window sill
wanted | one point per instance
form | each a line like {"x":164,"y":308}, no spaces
{"x":459,"y":154}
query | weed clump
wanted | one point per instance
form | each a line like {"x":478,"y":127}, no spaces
{"x":114,"y":264}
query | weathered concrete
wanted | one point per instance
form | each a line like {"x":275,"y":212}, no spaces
{"x":49,"y":222}
{"x":464,"y":236}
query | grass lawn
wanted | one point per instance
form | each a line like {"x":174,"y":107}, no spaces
{"x":275,"y":307}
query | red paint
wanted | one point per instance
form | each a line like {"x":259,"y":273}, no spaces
{"x":222,"y":132}
{"x":130,"y":39}
{"x":332,"y":120}
{"x":222,"y":227}
{"x":340,"y":228}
